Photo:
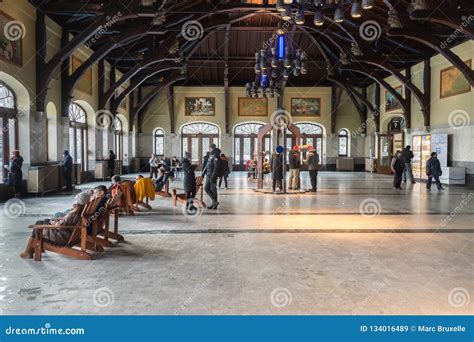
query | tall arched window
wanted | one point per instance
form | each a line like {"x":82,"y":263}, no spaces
{"x":196,"y":138}
{"x":78,"y":135}
{"x":9,"y":125}
{"x":159,"y":142}
{"x":118,"y":138}
{"x":343,"y":143}
{"x":245,"y":143}
{"x":311,"y":135}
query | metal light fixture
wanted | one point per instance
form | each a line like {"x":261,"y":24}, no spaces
{"x":367,"y":4}
{"x":288,"y":2}
{"x":280,"y":6}
{"x":299,"y":19}
{"x":356,"y":11}
{"x":338,"y":15}
{"x":286,"y":14}
{"x":318,"y":18}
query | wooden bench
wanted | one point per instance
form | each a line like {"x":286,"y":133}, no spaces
{"x":166,"y":190}
{"x":181,"y":197}
{"x":79,"y":236}
{"x":111,"y":210}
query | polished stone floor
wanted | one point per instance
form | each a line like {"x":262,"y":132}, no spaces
{"x":355,"y":247}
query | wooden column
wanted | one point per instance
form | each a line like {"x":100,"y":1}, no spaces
{"x":170,"y":96}
{"x":408,"y":99}
{"x":65,"y":95}
{"x":377,"y":108}
{"x":427,"y":92}
{"x":40,"y":59}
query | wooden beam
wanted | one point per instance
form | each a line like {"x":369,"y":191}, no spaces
{"x":458,"y":20}
{"x":336,"y":94}
{"x":226,"y":80}
{"x":170,"y":96}
{"x":377,"y":111}
{"x":427,"y":90}
{"x":66,"y":96}
{"x":40,"y":59}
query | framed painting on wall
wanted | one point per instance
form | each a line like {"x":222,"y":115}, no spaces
{"x":452,"y":82}
{"x":306,"y":106}
{"x":199,"y":106}
{"x":253,"y":106}
{"x":391,"y":102}
{"x":11,"y":39}
{"x":84,"y":84}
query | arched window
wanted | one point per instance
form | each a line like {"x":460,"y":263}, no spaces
{"x":311,"y":135}
{"x":159,"y":142}
{"x":246,"y":143}
{"x":343,"y":143}
{"x":118,"y":138}
{"x":196,"y":139}
{"x":9,"y":126}
{"x":78,"y":135}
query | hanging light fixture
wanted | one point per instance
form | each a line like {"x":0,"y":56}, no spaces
{"x":318,"y":18}
{"x":299,"y":19}
{"x":338,"y":15}
{"x":288,"y":2}
{"x":356,"y":11}
{"x":280,"y":6}
{"x":286,"y":14}
{"x":367,"y":4}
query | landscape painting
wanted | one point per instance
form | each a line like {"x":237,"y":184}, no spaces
{"x":391,"y":102}
{"x":199,"y":106}
{"x":452,"y":82}
{"x":253,"y":106}
{"x":307,"y":106}
{"x":11,"y":40}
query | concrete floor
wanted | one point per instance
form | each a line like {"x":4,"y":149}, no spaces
{"x":355,"y":247}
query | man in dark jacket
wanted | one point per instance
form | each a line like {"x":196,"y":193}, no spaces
{"x":312,"y":160}
{"x":407,"y":156}
{"x":67,"y":169}
{"x":16,"y":163}
{"x":277,"y":171}
{"x":295,"y":165}
{"x":397,"y":169}
{"x":213,"y":171}
{"x":189,"y":180}
{"x":433,"y":170}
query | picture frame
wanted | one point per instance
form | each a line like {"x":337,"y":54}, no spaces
{"x":391,"y":103}
{"x":84,"y":85}
{"x":199,"y":106}
{"x":11,"y":51}
{"x":452,"y":82}
{"x":306,"y":106}
{"x":249,"y":106}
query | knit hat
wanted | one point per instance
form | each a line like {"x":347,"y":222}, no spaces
{"x":84,"y":197}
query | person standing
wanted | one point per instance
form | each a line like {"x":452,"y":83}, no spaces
{"x":67,"y":169}
{"x":212,"y":170}
{"x":111,"y":163}
{"x":433,"y":170}
{"x":295,"y":165}
{"x":277,"y":171}
{"x":16,"y":162}
{"x":225,"y":171}
{"x":154,"y":165}
{"x":189,"y":180}
{"x":397,"y":169}
{"x":312,"y":160}
{"x":407,"y":156}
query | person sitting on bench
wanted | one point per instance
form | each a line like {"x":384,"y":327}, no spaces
{"x":70,"y":218}
{"x":99,"y":192}
{"x":160,"y":182}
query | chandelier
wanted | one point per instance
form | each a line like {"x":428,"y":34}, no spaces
{"x":274,"y":67}
{"x":295,"y":9}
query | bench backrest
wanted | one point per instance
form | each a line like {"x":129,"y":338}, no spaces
{"x":199,"y":180}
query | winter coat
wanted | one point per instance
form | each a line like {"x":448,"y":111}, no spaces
{"x":225,"y":167}
{"x":397,"y":165}
{"x":189,"y":178}
{"x":111,"y":161}
{"x":407,"y":156}
{"x":15,"y":168}
{"x":313,"y":161}
{"x":294,"y":160}
{"x":433,"y":167}
{"x":213,"y":165}
{"x":67,"y":164}
{"x":277,"y":167}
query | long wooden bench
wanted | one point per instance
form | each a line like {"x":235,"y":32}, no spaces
{"x":181,"y":197}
